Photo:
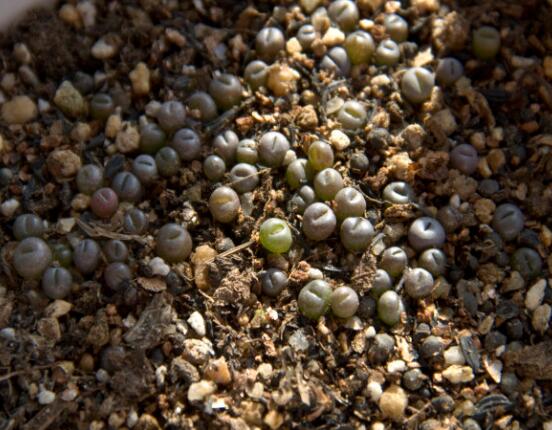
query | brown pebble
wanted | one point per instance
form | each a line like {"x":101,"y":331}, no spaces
{"x":496,"y":159}
{"x":393,"y":403}
{"x":86,"y":363}
{"x":217,"y":370}
{"x":484,"y":210}
{"x":200,"y":259}
{"x":140,"y":79}
{"x":63,"y":164}
{"x":70,"y":101}
{"x":19,"y":110}
{"x":128,"y":139}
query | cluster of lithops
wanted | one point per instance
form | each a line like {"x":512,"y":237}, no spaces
{"x":308,"y":151}
{"x":327,"y":204}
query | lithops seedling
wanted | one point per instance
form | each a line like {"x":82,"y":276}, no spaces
{"x":314,"y":299}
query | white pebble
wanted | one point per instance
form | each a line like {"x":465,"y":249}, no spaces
{"x":371,"y":332}
{"x":374,"y":391}
{"x":298,"y":341}
{"x":315,"y":273}
{"x":199,"y":390}
{"x":45,"y":397}
{"x":102,"y":375}
{"x":535,"y":295}
{"x":132,"y":418}
{"x":339,"y":140}
{"x":396,"y":366}
{"x":9,"y":207}
{"x":69,"y":394}
{"x":197,"y":322}
{"x":87,"y":11}
{"x":44,"y":106}
{"x":160,"y":374}
{"x":541,"y":318}
{"x":454,"y":355}
{"x":8,"y":333}
{"x":457,"y":374}
{"x":159,"y":267}
{"x":354,"y":323}
{"x":103,"y":50}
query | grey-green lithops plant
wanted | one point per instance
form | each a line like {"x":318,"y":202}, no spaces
{"x":173,"y":243}
{"x":224,"y":204}
{"x":273,"y":281}
{"x":275,"y":236}
{"x":247,"y":152}
{"x":527,"y":262}
{"x":256,"y":74}
{"x":101,"y":106}
{"x":204,"y":104}
{"x":89,"y":178}
{"x":115,"y":250}
{"x":28,"y":225}
{"x":171,"y":116}
{"x":31,"y":257}
{"x":394,"y":260}
{"x":86,"y":256}
{"x":344,"y":302}
{"x":298,"y":173}
{"x":57,"y":282}
{"x":226,"y":90}
{"x":319,"y":221}
{"x":381,"y":283}
{"x":214,"y":167}
{"x":145,"y":169}
{"x":417,"y":84}
{"x":448,"y":71}
{"x":244,"y":177}
{"x":115,"y":274}
{"x":225,"y":146}
{"x":272,"y":149}
{"x":508,"y":221}
{"x":306,"y":35}
{"x":426,"y":232}
{"x":360,"y":47}
{"x":390,"y":307}
{"x":433,"y":260}
{"x":485,"y":42}
{"x":418,"y":283}
{"x":352,"y":115}
{"x":464,"y":157}
{"x":387,"y":53}
{"x":337,"y":61}
{"x":314,"y":299}
{"x":152,"y":138}
{"x":302,"y":199}
{"x":269,"y":42}
{"x":356,"y":234}
{"x":327,"y":183}
{"x":396,"y":26}
{"x":398,"y":193}
{"x":344,"y":13}
{"x":127,"y":186}
{"x":321,"y":155}
{"x":187,"y":143}
{"x":135,"y":221}
{"x":349,"y":203}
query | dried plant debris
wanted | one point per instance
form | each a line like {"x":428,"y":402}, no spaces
{"x":276,"y":215}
